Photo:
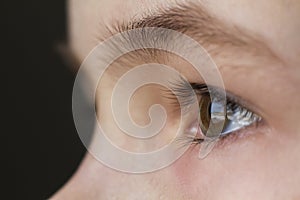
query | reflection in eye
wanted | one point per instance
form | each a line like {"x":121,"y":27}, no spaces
{"x":237,"y":118}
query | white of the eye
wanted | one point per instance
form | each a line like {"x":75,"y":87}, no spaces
{"x":238,"y":118}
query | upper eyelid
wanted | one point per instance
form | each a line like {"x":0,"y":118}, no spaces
{"x":182,"y":90}
{"x":165,"y":19}
{"x":241,"y":101}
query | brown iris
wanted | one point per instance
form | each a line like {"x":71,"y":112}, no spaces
{"x":205,"y":115}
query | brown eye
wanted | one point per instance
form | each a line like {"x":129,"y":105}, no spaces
{"x":237,"y":116}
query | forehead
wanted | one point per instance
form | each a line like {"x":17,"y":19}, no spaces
{"x":277,"y":21}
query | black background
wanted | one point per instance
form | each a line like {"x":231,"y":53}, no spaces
{"x":41,"y":147}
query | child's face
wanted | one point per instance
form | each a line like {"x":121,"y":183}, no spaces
{"x":256,"y":46}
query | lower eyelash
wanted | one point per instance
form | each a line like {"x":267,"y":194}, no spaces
{"x":235,"y":135}
{"x":223,"y":141}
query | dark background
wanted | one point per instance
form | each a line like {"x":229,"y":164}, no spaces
{"x":41,"y":147}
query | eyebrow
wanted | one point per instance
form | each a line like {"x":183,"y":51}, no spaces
{"x":192,"y":19}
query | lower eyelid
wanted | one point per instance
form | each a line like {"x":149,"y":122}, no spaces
{"x":235,"y":137}
{"x":244,"y":133}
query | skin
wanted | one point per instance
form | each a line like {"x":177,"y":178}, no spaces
{"x":263,"y":163}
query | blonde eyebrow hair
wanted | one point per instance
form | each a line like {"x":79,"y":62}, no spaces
{"x":192,"y":19}
{"x":219,"y":38}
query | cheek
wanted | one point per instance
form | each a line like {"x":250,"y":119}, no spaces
{"x":158,"y":185}
{"x":262,"y":166}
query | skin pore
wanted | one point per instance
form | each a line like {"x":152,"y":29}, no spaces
{"x":259,"y":62}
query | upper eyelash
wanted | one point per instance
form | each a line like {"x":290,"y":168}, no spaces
{"x":182,"y":89}
{"x":185,"y":91}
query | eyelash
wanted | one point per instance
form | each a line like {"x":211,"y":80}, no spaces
{"x":182,"y":89}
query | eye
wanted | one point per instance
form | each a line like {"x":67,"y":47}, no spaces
{"x":237,"y":116}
